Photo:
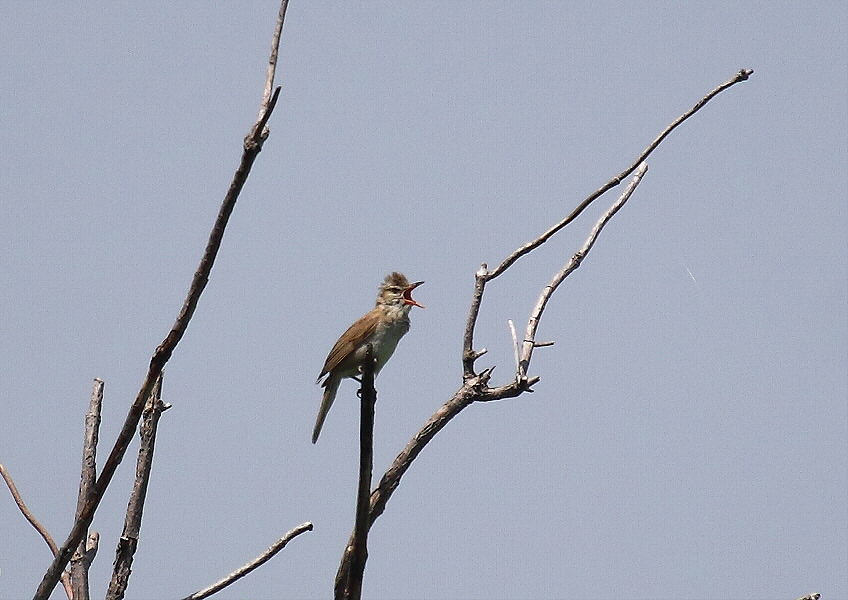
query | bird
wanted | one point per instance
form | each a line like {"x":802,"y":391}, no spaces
{"x":382,"y":327}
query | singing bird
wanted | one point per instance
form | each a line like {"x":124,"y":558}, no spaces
{"x":383,"y":327}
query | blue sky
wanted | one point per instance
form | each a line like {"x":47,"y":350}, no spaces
{"x":689,"y":435}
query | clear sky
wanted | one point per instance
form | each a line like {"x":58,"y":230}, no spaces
{"x":689,"y":435}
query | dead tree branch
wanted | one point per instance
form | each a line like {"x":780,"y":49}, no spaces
{"x":87,"y":549}
{"x":252,"y":146}
{"x":41,"y":529}
{"x":254,"y":564}
{"x":348,"y":584}
{"x":475,"y":386}
{"x":132,"y":522}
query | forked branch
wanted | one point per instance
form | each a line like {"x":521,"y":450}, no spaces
{"x":475,"y":386}
{"x":483,"y":275}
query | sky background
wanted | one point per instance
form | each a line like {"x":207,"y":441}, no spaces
{"x":689,"y":435}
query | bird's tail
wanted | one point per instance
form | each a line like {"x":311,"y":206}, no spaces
{"x":331,"y":386}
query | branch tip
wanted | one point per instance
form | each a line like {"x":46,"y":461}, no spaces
{"x":252,"y":565}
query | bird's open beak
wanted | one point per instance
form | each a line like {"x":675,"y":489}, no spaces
{"x":407,"y":295}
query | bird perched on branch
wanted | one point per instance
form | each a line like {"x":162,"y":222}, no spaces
{"x":383,"y":327}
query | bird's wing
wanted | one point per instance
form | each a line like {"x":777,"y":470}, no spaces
{"x":347,"y":343}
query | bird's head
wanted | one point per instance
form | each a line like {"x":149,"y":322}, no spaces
{"x":396,"y":290}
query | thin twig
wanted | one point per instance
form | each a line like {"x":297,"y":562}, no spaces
{"x":26,"y":512}
{"x":272,"y":60}
{"x":252,"y":147}
{"x":84,"y":555}
{"x":254,"y":564}
{"x":536,"y":315}
{"x":41,"y":529}
{"x":742,"y":75}
{"x":127,"y":544}
{"x":514,"y":343}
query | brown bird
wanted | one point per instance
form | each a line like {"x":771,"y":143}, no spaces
{"x":383,"y":327}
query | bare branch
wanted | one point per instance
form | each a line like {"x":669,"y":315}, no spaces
{"x":272,"y":61}
{"x":573,"y":264}
{"x":87,"y":549}
{"x":468,"y":393}
{"x":132,"y":522}
{"x":348,"y":585}
{"x":468,"y":353}
{"x":742,"y":75}
{"x":463,"y":397}
{"x":252,"y":147}
{"x":475,"y":387}
{"x":41,"y":529}
{"x":26,"y":512}
{"x":254,"y":564}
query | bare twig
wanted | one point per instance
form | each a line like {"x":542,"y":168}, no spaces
{"x":252,"y":147}
{"x":81,"y":560}
{"x":514,"y":342}
{"x":41,"y":529}
{"x":254,"y":564}
{"x":348,"y":584}
{"x":468,"y":353}
{"x":535,"y":316}
{"x":742,"y":75}
{"x":272,"y":60}
{"x":26,"y":512}
{"x":128,"y":542}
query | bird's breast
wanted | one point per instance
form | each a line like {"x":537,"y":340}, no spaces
{"x":385,"y":340}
